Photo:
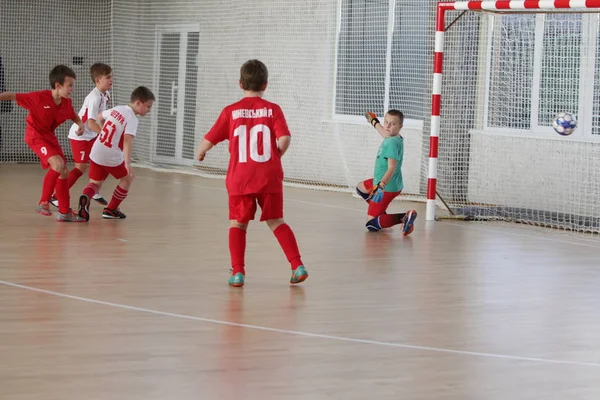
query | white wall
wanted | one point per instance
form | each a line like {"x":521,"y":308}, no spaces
{"x":296,"y":40}
{"x":540,"y":174}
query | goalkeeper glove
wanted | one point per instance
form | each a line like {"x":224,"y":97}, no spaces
{"x":372,"y":118}
{"x":376,"y":193}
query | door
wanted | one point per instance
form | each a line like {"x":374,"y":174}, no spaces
{"x":176,"y":77}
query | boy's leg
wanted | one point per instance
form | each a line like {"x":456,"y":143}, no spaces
{"x":125,"y":180}
{"x":73,"y":176}
{"x":85,"y":160}
{"x":272,"y":213}
{"x":79,"y":151}
{"x":81,"y":157}
{"x":90,"y":190}
{"x":65,"y":214}
{"x":241,"y":211}
{"x":363,"y":188}
{"x":51,"y":156}
{"x":378,"y":219}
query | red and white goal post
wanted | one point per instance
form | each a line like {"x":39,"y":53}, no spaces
{"x":576,"y":37}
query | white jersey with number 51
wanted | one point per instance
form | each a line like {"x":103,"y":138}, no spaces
{"x":108,"y":148}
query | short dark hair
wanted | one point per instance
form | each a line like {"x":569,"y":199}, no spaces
{"x":58,"y":75}
{"x":98,"y":70}
{"x":142,"y":93}
{"x":254,"y":75}
{"x":397,"y":113}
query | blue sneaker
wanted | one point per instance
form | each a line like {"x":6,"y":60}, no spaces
{"x":408,"y":221}
{"x":299,"y":275}
{"x":236,"y":280}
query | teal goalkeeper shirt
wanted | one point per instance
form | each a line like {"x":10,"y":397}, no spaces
{"x":391,"y":147}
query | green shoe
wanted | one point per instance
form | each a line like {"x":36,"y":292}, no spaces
{"x":299,"y":275}
{"x":236,"y":280}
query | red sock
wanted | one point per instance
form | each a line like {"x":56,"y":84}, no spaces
{"x":389,"y":220}
{"x":62,"y":195}
{"x":118,"y":196}
{"x":237,"y":249}
{"x":90,"y":190}
{"x":73,"y":176}
{"x":288,"y":243}
{"x":49,"y":185}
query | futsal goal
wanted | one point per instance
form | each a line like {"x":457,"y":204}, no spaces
{"x":508,"y":68}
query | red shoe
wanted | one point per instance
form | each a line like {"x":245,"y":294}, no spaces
{"x":44,"y":209}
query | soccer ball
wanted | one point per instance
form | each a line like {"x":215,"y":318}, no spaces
{"x":564,"y":123}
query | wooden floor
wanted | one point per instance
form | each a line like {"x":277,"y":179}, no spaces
{"x":140,"y":308}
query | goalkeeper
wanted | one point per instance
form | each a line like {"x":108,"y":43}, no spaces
{"x":387,"y":179}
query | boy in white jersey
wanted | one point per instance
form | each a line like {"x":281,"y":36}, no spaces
{"x":95,"y":102}
{"x":111,"y":153}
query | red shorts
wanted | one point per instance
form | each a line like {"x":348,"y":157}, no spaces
{"x":377,"y":209}
{"x":100,"y":172}
{"x":45,"y":149}
{"x":243,"y":207}
{"x":81,"y":150}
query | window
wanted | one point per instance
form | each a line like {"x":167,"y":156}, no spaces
{"x":383,"y":62}
{"x":538,"y":66}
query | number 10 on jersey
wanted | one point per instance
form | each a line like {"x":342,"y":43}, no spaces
{"x":241,"y":132}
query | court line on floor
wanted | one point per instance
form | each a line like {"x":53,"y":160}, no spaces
{"x":470,"y":225}
{"x":300,"y":333}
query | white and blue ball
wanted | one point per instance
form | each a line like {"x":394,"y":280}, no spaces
{"x":564,"y":123}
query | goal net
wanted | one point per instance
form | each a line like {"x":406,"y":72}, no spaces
{"x":505,"y":77}
{"x":329,"y":63}
{"x":508,"y":68}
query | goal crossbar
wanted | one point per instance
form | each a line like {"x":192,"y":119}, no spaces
{"x":503,"y":6}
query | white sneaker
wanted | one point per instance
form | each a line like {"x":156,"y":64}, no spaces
{"x":98,"y":197}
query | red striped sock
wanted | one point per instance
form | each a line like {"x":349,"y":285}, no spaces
{"x":288,"y":243}
{"x":73,"y":176}
{"x":62,"y":195}
{"x":389,"y":220}
{"x":237,"y":249}
{"x":118,"y":196}
{"x":49,"y":185}
{"x":90,"y":190}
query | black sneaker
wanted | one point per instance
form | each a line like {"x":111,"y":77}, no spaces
{"x":113,"y":214}
{"x":99,"y":199}
{"x":84,"y":207}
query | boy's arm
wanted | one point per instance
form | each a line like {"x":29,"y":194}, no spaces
{"x":376,"y":192}
{"x":93,"y":125}
{"x":392,"y":163}
{"x":204,"y":147}
{"x":8,"y":96}
{"x":372,"y":118}
{"x":77,"y":120}
{"x":283,"y":143}
{"x":127,"y":146}
{"x":100,"y":121}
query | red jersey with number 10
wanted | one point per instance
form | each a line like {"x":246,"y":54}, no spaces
{"x":252,"y":126}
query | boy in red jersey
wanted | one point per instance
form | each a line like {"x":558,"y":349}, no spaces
{"x":258,"y":137}
{"x":81,"y":145}
{"x":47,"y":110}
